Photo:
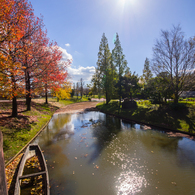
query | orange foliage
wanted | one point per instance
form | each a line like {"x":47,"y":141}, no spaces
{"x":27,"y":59}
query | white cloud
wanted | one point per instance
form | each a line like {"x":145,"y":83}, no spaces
{"x":67,"y":45}
{"x":82,"y":72}
{"x":65,"y":54}
{"x":75,"y":74}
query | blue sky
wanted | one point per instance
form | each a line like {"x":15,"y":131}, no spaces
{"x":77,"y":26}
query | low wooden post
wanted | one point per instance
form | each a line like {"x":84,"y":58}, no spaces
{"x":3,"y":182}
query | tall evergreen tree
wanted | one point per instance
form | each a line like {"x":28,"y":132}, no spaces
{"x":113,"y":77}
{"x":103,"y":67}
{"x":147,"y":73}
{"x":120,"y":63}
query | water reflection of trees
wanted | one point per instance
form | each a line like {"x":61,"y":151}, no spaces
{"x":57,"y":125}
{"x":104,"y":130}
{"x":128,"y":125}
{"x":56,"y":161}
{"x":153,"y":139}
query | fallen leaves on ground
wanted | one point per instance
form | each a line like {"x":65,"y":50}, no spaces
{"x":11,"y":168}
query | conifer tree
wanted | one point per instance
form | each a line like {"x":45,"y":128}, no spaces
{"x":147,"y":73}
{"x":120,"y":63}
{"x":103,"y":67}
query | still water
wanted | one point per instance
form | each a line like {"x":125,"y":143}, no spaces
{"x":94,"y":153}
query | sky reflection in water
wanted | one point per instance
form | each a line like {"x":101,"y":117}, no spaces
{"x":93,"y":153}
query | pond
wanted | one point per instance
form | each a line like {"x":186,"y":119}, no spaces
{"x":94,"y":153}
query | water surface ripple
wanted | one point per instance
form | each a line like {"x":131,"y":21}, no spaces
{"x":94,"y":153}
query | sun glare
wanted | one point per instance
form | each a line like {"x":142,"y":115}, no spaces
{"x":123,"y":2}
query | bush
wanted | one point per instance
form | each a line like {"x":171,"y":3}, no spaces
{"x":129,"y":104}
{"x":177,"y":106}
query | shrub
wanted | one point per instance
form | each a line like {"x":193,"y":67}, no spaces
{"x":177,"y":106}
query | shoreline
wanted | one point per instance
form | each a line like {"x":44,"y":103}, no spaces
{"x":169,"y":131}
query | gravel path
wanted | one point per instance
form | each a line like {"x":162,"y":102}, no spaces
{"x":77,"y":107}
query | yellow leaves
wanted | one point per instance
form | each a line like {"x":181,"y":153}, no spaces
{"x":63,"y":92}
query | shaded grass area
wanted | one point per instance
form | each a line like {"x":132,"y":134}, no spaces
{"x":178,"y":117}
{"x":18,"y":131}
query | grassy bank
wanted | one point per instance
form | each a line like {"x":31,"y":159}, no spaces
{"x":180,"y":117}
{"x":17,"y":132}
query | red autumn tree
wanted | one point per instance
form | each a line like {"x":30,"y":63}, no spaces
{"x":54,"y":71}
{"x":12,"y":20}
{"x":32,"y":53}
{"x":25,"y":55}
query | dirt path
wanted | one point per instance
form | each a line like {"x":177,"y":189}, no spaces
{"x":77,"y":107}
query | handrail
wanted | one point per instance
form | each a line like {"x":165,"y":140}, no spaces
{"x":3,"y":181}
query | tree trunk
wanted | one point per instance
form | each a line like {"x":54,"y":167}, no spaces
{"x":131,"y":96}
{"x":46,"y":101}
{"x":14,"y":107}
{"x":28,"y":102}
{"x":159,"y":97}
{"x":14,"y":102}
{"x":176,"y":98}
{"x":119,"y":98}
{"x":176,"y":92}
{"x":28,"y":92}
{"x":106,"y":97}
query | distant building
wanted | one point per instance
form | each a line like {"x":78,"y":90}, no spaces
{"x":185,"y":94}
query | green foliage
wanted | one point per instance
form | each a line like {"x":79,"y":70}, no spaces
{"x":118,"y":59}
{"x":144,"y":103}
{"x":147,"y":73}
{"x":130,"y":85}
{"x":103,"y":77}
{"x":109,"y":71}
{"x":163,"y":116}
{"x":158,"y":88}
{"x":177,"y":106}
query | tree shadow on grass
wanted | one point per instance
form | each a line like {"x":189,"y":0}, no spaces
{"x":15,"y":132}
{"x":44,"y":108}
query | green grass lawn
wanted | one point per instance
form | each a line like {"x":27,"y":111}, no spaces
{"x":68,"y":101}
{"x":180,"y":117}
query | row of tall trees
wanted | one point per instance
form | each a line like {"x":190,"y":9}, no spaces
{"x":79,"y":89}
{"x":110,"y":70}
{"x":29,"y":62}
{"x":170,"y":72}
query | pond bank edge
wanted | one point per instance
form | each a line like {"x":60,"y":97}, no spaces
{"x":151,"y":125}
{"x":28,"y":143}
